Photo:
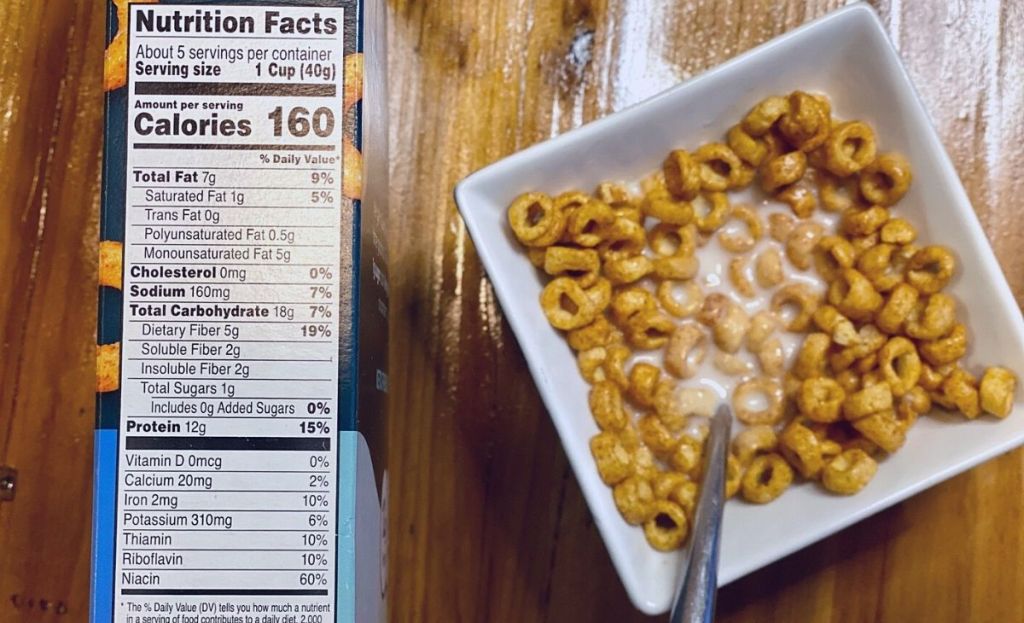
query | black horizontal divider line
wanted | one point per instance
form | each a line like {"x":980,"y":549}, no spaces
{"x":234,"y":146}
{"x":306,"y":444}
{"x":259,"y":89}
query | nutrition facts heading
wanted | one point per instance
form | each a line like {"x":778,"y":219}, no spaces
{"x":213,"y":21}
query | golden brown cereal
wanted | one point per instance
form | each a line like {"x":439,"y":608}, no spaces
{"x":863,"y":243}
{"x":996,"y":391}
{"x":848,"y":380}
{"x":912,"y":404}
{"x":634,"y":497}
{"x":597,"y":333}
{"x":901,"y":367}
{"x":877,"y":265}
{"x":766,"y":478}
{"x":569,"y":202}
{"x":108,"y":367}
{"x":623,"y":238}
{"x":768,"y":268}
{"x":665,"y":484}
{"x":754,"y":440}
{"x":713,"y":211}
{"x":749,"y":149}
{"x":666,"y":240}
{"x":600,"y":294}
{"x":643,"y":383}
{"x":649,"y":330}
{"x":783,"y":170}
{"x":728,"y":321}
{"x":801,"y":243}
{"x":898,"y":231}
{"x":934,"y":319}
{"x":591,"y":363}
{"x":821,"y":399}
{"x":886,"y":180}
{"x":849,"y":148}
{"x":801,"y":297}
{"x":614,"y":195}
{"x":536,"y":256}
{"x":656,"y":435}
{"x":945,"y":350}
{"x":535,"y":221}
{"x":733,"y":365}
{"x":837,"y":195}
{"x":780,"y":226}
{"x":615,"y":365}
{"x":733,"y":476}
{"x":807,"y":124}
{"x":771,"y":357}
{"x":626,"y":270}
{"x":667,"y":210}
{"x":838,"y":326}
{"x":931,"y":268}
{"x":770,"y":391}
{"x":682,"y":175}
{"x":854,"y":296}
{"x":586,"y":224}
{"x":869,"y":340}
{"x":606,"y":406}
{"x":802,"y":448}
{"x":630,"y":301}
{"x":863,"y":222}
{"x":849,"y":472}
{"x":897,"y":308}
{"x":933,"y":377}
{"x":810,"y":359}
{"x":800,"y":199}
{"x":676,"y":268}
{"x":614,"y":461}
{"x":738,"y":277}
{"x":832,"y":255}
{"x":667,"y":528}
{"x":764,"y":115}
{"x":686,"y":350}
{"x":582,"y":265}
{"x":961,"y":389}
{"x":883,"y":429}
{"x":740,"y":242}
{"x":566,"y":304}
{"x":720,"y":167}
{"x":694,"y":298}
{"x":111,"y":264}
{"x":762,"y":326}
{"x":867,"y":401}
{"x":686,"y":456}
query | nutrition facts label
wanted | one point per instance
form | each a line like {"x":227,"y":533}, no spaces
{"x":227,"y":482}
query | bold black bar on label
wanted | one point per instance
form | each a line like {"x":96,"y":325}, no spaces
{"x":225,"y":591}
{"x":308,"y":444}
{"x":229,"y":146}
{"x":260,"y":89}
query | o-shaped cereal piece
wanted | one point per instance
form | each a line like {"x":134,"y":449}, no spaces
{"x":857,"y":222}
{"x":625,"y":270}
{"x":662,"y":207}
{"x":801,"y":299}
{"x":676,"y":406}
{"x":630,"y":301}
{"x":667,"y":528}
{"x":837,"y":195}
{"x":733,"y":364}
{"x":802,"y":241}
{"x":849,"y":472}
{"x":931,"y":268}
{"x":598,"y":333}
{"x":686,"y":351}
{"x":886,"y":180}
{"x":591,"y":363}
{"x":780,"y":225}
{"x":945,"y":350}
{"x":656,"y":436}
{"x":996,"y":391}
{"x":579,"y":264}
{"x":566,"y":304}
{"x":606,"y":406}
{"x":666,"y":240}
{"x":771,"y":394}
{"x":643,"y":383}
{"x":802,"y":449}
{"x":682,"y":174}
{"x":768,"y":268}
{"x":771,"y":357}
{"x":850,"y":147}
{"x":720,"y":167}
{"x":783,"y":170}
{"x":897,"y":308}
{"x":883,"y":429}
{"x":728,"y":321}
{"x":690,"y":304}
{"x":738,"y":242}
{"x":877,"y":265}
{"x":749,"y":149}
{"x":821,"y":399}
{"x":961,"y":389}
{"x":623,"y":238}
{"x":854,"y":296}
{"x":614,"y":461}
{"x":634,"y":497}
{"x":600,"y":294}
{"x":800,"y":199}
{"x":935,"y":320}
{"x":535,"y":220}
{"x":712,"y":211}
{"x":733,"y":476}
{"x":649,"y":330}
{"x":686,"y":457}
{"x":766,"y":478}
{"x":676,"y":268}
{"x":900,"y":364}
{"x":615,"y":365}
{"x":754,"y":440}
{"x":764,"y":115}
{"x":738,"y":277}
{"x":829,"y":320}
{"x":810,"y":360}
{"x":832,"y":255}
{"x":586,"y":224}
{"x":898,"y":231}
{"x":806,"y":126}
{"x":867,"y":401}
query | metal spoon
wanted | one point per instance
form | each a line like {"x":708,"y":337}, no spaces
{"x":695,"y":599}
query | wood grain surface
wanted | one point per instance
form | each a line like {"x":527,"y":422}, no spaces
{"x":488,"y":523}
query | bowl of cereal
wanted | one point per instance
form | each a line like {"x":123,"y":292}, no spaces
{"x":784,"y":233}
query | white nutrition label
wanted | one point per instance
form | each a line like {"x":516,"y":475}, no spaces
{"x":227,"y":481}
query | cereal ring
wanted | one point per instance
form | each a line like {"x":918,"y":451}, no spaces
{"x":800,"y":199}
{"x":882,"y":428}
{"x":768,"y":268}
{"x":961,"y":389}
{"x":667,"y":210}
{"x":766,"y":478}
{"x":613,"y":195}
{"x":837,"y":195}
{"x":754,"y":440}
{"x":838,"y":326}
{"x":598,"y":333}
{"x":591,"y":363}
{"x":802,"y":449}
{"x":886,"y":180}
{"x":946,"y":350}
{"x":877,"y":265}
{"x":749,"y":149}
{"x":863,"y":222}
{"x":902,"y":301}
{"x":667,"y":528}
{"x":854,"y":296}
{"x":536,"y":256}
{"x":870,"y":400}
{"x":737,"y":242}
{"x":666,"y":240}
{"x":821,"y":399}
{"x":643,"y":383}
{"x":630,"y":301}
{"x":932,"y":320}
{"x":900,"y":365}
{"x":912,"y":404}
{"x":678,"y":406}
{"x":535,"y":221}
{"x":108,"y":367}
{"x":783,"y":170}
{"x":111,"y":265}
{"x":933,"y":377}
{"x":623,"y":238}
{"x":762,"y":326}
{"x":614,"y":462}
{"x":720,"y":167}
{"x":566,"y":304}
{"x":680,"y":308}
{"x":769,"y":389}
{"x":614,"y":366}
{"x":733,"y":476}
{"x":677,"y":268}
{"x":682,"y":175}
{"x":606,"y":405}
{"x":634,"y":497}
{"x":625,"y":270}
{"x":849,"y":472}
{"x":850,"y":147}
{"x":738,"y":277}
{"x":712,"y":211}
{"x":764,"y":115}
{"x":649,"y":330}
{"x":931,"y":268}
{"x":780,"y":226}
{"x":600,"y":295}
{"x":807,"y":124}
{"x":656,"y":436}
{"x":585,"y":224}
{"x":728,"y":321}
{"x":800,"y":298}
{"x":898,"y":231}
{"x":810,"y":360}
{"x":996,"y":391}
{"x":771,"y":357}
{"x":801,"y":243}
{"x":582,"y":265}
{"x":831,"y":255}
{"x":686,"y":350}
{"x":733,"y":365}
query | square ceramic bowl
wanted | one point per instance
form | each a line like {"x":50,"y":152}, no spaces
{"x":847,"y":55}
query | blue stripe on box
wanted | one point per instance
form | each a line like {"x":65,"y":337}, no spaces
{"x":345,"y":597}
{"x":103,"y":508}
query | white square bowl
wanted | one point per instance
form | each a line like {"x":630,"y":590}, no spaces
{"x":847,"y":55}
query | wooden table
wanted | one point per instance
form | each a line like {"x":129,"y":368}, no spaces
{"x":488,"y":523}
